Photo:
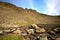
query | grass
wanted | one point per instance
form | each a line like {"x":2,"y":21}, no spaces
{"x":11,"y":37}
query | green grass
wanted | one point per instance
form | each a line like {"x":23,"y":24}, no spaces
{"x":11,"y":37}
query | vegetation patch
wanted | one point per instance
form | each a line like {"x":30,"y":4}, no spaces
{"x":11,"y":37}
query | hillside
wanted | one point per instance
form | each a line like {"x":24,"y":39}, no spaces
{"x":12,"y":15}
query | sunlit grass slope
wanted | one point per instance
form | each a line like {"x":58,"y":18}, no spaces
{"x":11,"y":15}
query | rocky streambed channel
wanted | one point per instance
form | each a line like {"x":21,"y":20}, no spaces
{"x":34,"y":32}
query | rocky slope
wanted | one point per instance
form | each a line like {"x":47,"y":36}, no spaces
{"x":11,"y":15}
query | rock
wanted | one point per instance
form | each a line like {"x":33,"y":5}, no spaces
{"x":13,"y":29}
{"x":43,"y":37}
{"x":58,"y":38}
{"x":30,"y":31}
{"x":18,"y":32}
{"x":52,"y":32}
{"x":18,"y":28}
{"x":35,"y":26}
{"x":1,"y":32}
{"x":24,"y":34}
{"x":6,"y":31}
{"x":56,"y":30}
{"x":40,"y":30}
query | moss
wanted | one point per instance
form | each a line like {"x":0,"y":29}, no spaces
{"x":11,"y":37}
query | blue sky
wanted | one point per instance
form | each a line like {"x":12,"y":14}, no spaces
{"x":49,"y":7}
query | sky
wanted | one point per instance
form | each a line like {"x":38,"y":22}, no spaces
{"x":49,"y":7}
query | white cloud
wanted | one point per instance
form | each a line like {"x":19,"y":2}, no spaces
{"x":52,"y":8}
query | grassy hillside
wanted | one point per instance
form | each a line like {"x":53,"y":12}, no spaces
{"x":11,"y":15}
